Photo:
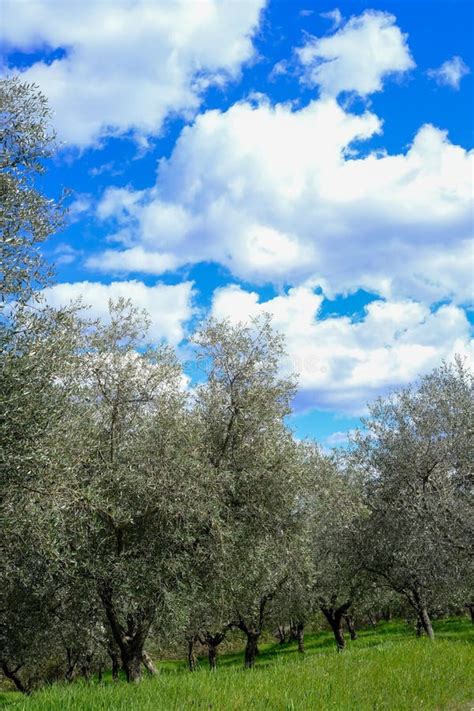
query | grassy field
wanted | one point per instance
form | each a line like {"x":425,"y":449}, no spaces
{"x":386,"y":668}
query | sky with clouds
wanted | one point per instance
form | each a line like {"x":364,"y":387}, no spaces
{"x":234,"y":157}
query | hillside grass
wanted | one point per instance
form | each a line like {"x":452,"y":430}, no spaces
{"x":386,"y":668}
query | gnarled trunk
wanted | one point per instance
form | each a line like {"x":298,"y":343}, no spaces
{"x":12,"y":674}
{"x":192,"y":661}
{"x":130,"y":639}
{"x":251,"y":649}
{"x":349,"y":620}
{"x":300,"y":637}
{"x":212,"y":656}
{"x":212,"y":641}
{"x":280,"y":634}
{"x":114,"y":657}
{"x":334,"y":616}
{"x":71,"y":664}
{"x":131,"y":662}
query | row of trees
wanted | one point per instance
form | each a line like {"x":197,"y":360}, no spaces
{"x":141,"y":511}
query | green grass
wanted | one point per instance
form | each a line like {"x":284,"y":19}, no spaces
{"x":386,"y":668}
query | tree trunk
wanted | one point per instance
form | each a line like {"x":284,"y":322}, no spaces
{"x":192,"y":661}
{"x":300,"y":637}
{"x":280,"y":634}
{"x":71,"y":665}
{"x":86,"y":668}
{"x":12,"y":674}
{"x":470,"y":607}
{"x":372,"y":620}
{"x":334,"y":617}
{"x":350,"y":626}
{"x":418,"y":627}
{"x":212,"y":641}
{"x":130,"y":639}
{"x":426,"y":622}
{"x":251,"y":649}
{"x":148,"y":664}
{"x":416,"y":600}
{"x":132,"y":665}
{"x":387,"y":614}
{"x":212,"y":656}
{"x":115,"y":664}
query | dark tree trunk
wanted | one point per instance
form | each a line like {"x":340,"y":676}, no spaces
{"x":418,"y":627}
{"x":115,"y":664}
{"x":350,"y":626}
{"x":131,"y":662}
{"x":148,"y":664}
{"x":251,"y":649}
{"x":280,"y":634}
{"x":192,"y":661}
{"x":335,"y":616}
{"x":416,"y":600}
{"x":387,"y":614}
{"x":470,"y":607}
{"x":300,"y":637}
{"x":71,"y":665}
{"x":86,"y":668}
{"x":12,"y":674}
{"x":130,"y":639}
{"x":212,"y":641}
{"x":212,"y":656}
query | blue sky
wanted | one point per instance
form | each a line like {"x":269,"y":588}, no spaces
{"x":230,"y":157}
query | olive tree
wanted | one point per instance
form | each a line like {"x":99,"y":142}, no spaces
{"x":34,"y":407}
{"x":415,"y":455}
{"x":27,"y":216}
{"x":334,"y":511}
{"x":253,"y":460}
{"x":127,"y":494}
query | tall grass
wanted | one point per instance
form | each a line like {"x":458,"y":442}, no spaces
{"x":386,"y":668}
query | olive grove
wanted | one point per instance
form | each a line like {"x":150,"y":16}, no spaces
{"x":143,"y":511}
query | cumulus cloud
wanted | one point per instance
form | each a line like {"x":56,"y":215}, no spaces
{"x":124,"y":66}
{"x":450,"y":72}
{"x":342,"y":364}
{"x":169,"y":306}
{"x":358,"y":57}
{"x":290,"y":198}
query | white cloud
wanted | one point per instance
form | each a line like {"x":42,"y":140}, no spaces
{"x":358,"y":57}
{"x":169,"y":306}
{"x":450,"y":72}
{"x":81,"y":205}
{"x":335,"y":16}
{"x":278,"y":194}
{"x":132,"y":260}
{"x":128,"y":64}
{"x":343,"y":364}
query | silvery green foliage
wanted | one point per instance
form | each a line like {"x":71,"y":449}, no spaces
{"x":334,"y":511}
{"x":27,"y":217}
{"x":416,"y":456}
{"x":34,"y":405}
{"x":127,"y":495}
{"x":253,"y":463}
